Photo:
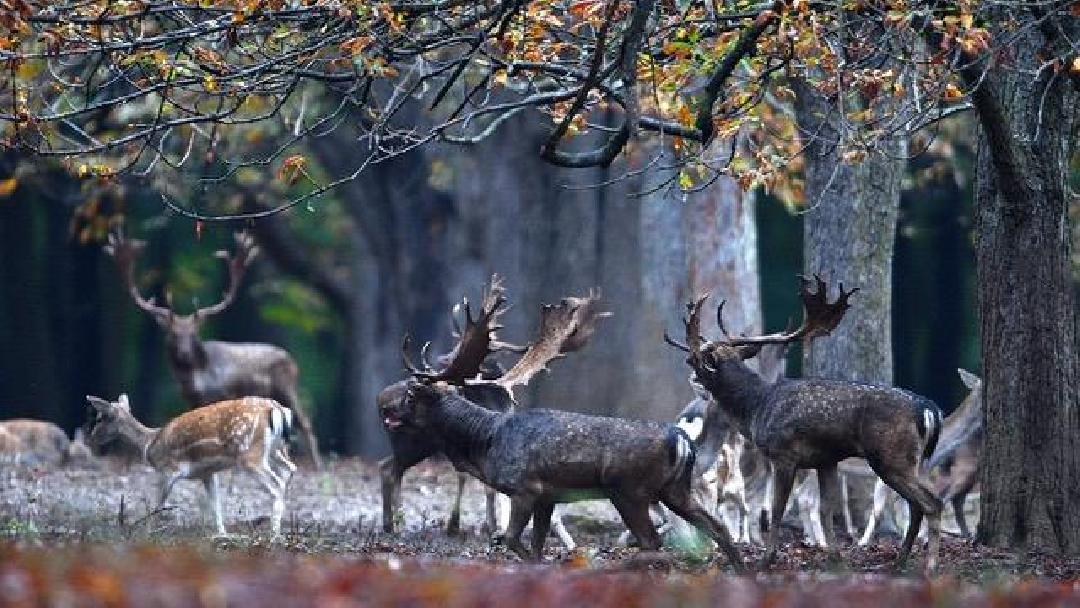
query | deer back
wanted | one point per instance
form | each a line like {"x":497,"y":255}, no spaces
{"x":221,"y":432}
{"x":42,"y":441}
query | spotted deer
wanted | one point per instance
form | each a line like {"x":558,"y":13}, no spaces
{"x":811,"y":423}
{"x":559,"y":335}
{"x":248,"y":434}
{"x":953,"y":469}
{"x":209,"y":371}
{"x":541,"y":457}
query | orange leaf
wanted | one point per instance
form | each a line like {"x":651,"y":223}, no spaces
{"x":8,"y":186}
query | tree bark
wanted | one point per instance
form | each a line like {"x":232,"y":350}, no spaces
{"x":1031,"y":469}
{"x":849,"y":232}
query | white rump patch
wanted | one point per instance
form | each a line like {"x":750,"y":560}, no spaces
{"x":692,"y":428}
{"x":930,"y":420}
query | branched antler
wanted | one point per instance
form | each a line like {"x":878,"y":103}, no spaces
{"x":246,"y":250}
{"x":124,"y":252}
{"x":820,"y":316}
{"x":564,"y":328}
{"x":475,"y":341}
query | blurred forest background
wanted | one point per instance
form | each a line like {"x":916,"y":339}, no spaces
{"x":338,"y":283}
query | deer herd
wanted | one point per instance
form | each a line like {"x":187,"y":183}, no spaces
{"x":749,"y":440}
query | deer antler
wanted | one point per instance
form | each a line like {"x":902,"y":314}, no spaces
{"x":124,"y":252}
{"x":246,"y":250}
{"x":564,"y":328}
{"x":819,"y":316}
{"x":475,"y":339}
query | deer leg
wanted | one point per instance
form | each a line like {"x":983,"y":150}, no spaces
{"x":957,"y":502}
{"x":453,"y":524}
{"x":783,"y":478}
{"x":521,"y":510}
{"x":635,"y":515}
{"x":390,"y":473}
{"x":275,"y":487}
{"x":921,"y":501}
{"x":165,"y":485}
{"x":957,"y":497}
{"x":828,"y":489}
{"x":490,"y":523}
{"x":503,"y":506}
{"x":210,"y":482}
{"x":683,"y":504}
{"x":561,"y":531}
{"x":845,"y":504}
{"x":881,"y":498}
{"x":542,"y":511}
{"x":808,"y":500}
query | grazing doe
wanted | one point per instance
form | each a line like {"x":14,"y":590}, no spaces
{"x":811,"y":423}
{"x":559,"y":334}
{"x":209,"y":371}
{"x":35,"y":442}
{"x":543,"y":457}
{"x":954,"y":467}
{"x":248,"y":434}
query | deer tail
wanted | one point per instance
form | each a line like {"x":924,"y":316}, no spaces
{"x":281,"y":421}
{"x":681,"y":454}
{"x":929,"y":423}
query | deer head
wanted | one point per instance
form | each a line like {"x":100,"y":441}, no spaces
{"x":182,"y":331}
{"x":713,"y":360}
{"x":107,"y":422}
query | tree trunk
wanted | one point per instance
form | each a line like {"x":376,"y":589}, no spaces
{"x":699,"y":242}
{"x":1031,"y":473}
{"x":849,"y":232}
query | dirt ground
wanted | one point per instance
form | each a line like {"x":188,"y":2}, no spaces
{"x":336,"y":515}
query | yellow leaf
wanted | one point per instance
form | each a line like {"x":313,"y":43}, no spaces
{"x":953,"y":92}
{"x":8,"y":186}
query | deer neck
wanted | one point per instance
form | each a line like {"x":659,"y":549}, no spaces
{"x":465,"y":428}
{"x":186,"y":354}
{"x":739,"y":391}
{"x":137,"y":436}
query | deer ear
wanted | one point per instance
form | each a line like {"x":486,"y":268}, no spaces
{"x":97,"y":403}
{"x":969,"y":379}
{"x":123,"y":402}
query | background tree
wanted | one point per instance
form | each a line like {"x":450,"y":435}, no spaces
{"x":155,"y":89}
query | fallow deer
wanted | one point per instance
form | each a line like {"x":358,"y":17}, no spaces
{"x":248,"y":434}
{"x":954,"y":467}
{"x":209,"y":371}
{"x":543,"y":457}
{"x":38,"y":442}
{"x":815,"y":423}
{"x":559,"y":334}
{"x":10,"y":447}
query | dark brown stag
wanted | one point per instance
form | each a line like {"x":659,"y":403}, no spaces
{"x":544,"y":457}
{"x":814,"y":423}
{"x":209,"y":370}
{"x":564,"y":328}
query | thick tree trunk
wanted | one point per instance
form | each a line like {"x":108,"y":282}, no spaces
{"x":699,"y":242}
{"x":1031,"y":472}
{"x":849,"y":232}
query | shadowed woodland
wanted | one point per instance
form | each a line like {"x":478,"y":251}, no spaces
{"x":686,"y":301}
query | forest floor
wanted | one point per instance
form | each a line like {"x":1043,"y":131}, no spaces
{"x":88,"y":536}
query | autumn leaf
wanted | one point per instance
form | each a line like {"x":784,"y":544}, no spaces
{"x":292,"y":168}
{"x":953,"y":92}
{"x":8,"y":186}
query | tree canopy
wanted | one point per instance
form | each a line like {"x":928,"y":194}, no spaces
{"x":212,"y":89}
